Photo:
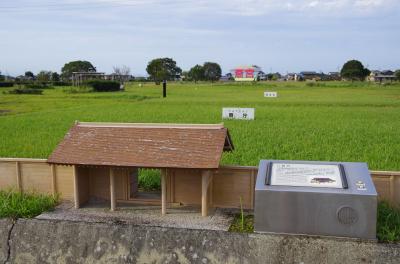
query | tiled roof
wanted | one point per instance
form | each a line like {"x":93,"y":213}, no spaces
{"x":143,"y":145}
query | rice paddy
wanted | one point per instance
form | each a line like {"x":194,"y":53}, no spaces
{"x":332,"y":121}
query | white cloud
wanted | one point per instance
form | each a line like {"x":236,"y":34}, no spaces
{"x":260,"y":7}
{"x":231,"y":7}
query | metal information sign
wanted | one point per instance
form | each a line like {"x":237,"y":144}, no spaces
{"x":238,"y":113}
{"x":306,"y":175}
{"x":270,"y":94}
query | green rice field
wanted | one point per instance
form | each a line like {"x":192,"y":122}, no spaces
{"x":327,"y":121}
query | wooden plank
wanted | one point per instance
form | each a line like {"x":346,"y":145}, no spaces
{"x":252,"y":186}
{"x":163,"y":192}
{"x":205,"y":180}
{"x":65,"y":182}
{"x":113,"y":199}
{"x":8,"y":175}
{"x":18,"y":173}
{"x":76,"y":187}
{"x":35,"y":177}
{"x":187,"y":186}
{"x":229,"y":186}
{"x":53,"y":178}
{"x":83,"y":187}
{"x":391,"y":189}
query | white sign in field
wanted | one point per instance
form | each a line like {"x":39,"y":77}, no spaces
{"x":238,"y":113}
{"x":306,"y":175}
{"x":270,"y":94}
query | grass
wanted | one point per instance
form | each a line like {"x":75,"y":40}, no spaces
{"x":242,"y":224}
{"x":334,"y":121}
{"x":149,"y":180}
{"x":388,"y":223}
{"x":15,"y":204}
{"x":388,"y":228}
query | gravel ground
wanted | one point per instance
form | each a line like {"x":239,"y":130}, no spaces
{"x":179,"y":217}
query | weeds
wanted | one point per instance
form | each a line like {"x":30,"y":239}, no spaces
{"x":15,"y":204}
{"x":388,"y":227}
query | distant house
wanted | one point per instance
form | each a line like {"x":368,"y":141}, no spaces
{"x":291,"y":77}
{"x":273,"y":76}
{"x":310,"y":76}
{"x":334,"y":76}
{"x":79,"y":78}
{"x":382,"y":76}
{"x":226,"y":78}
{"x":247,"y":73}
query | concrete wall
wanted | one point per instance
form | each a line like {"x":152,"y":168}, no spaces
{"x":44,"y":241}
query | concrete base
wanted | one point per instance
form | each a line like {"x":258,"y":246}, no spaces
{"x":51,"y":241}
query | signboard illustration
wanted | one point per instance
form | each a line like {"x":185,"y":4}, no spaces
{"x":306,"y":175}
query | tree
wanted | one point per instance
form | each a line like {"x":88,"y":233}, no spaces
{"x":29,"y":75}
{"x":163,"y":69}
{"x":55,"y":77}
{"x":44,"y":76}
{"x":1,"y":77}
{"x":122,"y":73}
{"x":397,"y":73}
{"x":76,"y":66}
{"x":212,"y":71}
{"x":196,"y":73}
{"x":354,"y":70}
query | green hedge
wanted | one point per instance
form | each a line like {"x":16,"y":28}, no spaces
{"x":61,"y":83}
{"x":104,"y":86}
{"x":6,"y":84}
{"x":37,"y":86}
{"x":26,"y":91}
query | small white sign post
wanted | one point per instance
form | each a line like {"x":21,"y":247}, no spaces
{"x":238,"y":113}
{"x":270,"y":94}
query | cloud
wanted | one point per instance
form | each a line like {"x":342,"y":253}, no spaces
{"x":229,"y":7}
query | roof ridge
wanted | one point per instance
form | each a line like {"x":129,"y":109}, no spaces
{"x":150,"y":125}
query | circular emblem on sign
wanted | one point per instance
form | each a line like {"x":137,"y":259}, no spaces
{"x":347,"y":215}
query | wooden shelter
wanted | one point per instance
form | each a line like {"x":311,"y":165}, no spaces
{"x":116,"y":150}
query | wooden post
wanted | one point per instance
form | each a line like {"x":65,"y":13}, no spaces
{"x":205,"y":180}
{"x":76,"y":187}
{"x":112,"y":190}
{"x":392,"y":190}
{"x":53,"y":179}
{"x":18,"y":173}
{"x":163,"y":191}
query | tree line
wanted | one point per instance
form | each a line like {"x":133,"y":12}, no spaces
{"x":161,"y":69}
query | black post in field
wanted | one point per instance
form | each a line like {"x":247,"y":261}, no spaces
{"x":164,"y":86}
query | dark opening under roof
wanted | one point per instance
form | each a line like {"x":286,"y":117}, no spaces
{"x":143,"y":145}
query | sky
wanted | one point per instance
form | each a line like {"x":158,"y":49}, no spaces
{"x":278,"y":35}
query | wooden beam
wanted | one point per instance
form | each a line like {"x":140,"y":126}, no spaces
{"x":76,"y":187}
{"x":392,"y":190}
{"x":18,"y":174}
{"x":163,"y":191}
{"x":113,"y":199}
{"x":205,"y":180}
{"x":53,"y":178}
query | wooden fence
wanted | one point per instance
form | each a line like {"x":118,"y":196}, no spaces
{"x":36,"y":175}
{"x":229,"y":182}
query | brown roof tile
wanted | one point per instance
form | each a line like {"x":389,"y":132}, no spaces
{"x":143,"y":145}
